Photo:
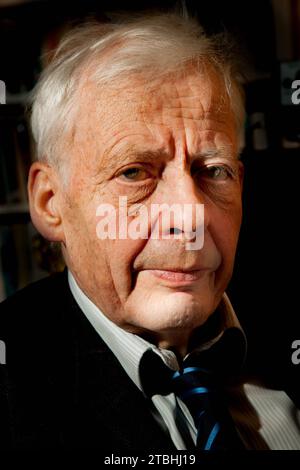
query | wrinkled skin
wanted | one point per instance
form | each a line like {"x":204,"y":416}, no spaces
{"x":171,"y":141}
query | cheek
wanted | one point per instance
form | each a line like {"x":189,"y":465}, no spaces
{"x":112,"y":231}
{"x":114,"y":265}
{"x":224,"y":229}
{"x":79,"y":219}
{"x":81,"y":246}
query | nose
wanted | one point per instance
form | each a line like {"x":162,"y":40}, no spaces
{"x":181,"y":208}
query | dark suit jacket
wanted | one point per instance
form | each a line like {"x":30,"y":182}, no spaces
{"x":61,"y":386}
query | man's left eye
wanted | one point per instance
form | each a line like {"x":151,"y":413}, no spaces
{"x":216,"y":173}
{"x":134,"y":174}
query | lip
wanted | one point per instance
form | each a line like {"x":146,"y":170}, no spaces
{"x":178,"y":277}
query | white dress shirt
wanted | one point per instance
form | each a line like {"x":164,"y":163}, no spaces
{"x":265,"y":418}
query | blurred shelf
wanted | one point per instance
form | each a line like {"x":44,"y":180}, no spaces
{"x":12,"y":111}
{"x":18,"y":98}
{"x":14,"y":214}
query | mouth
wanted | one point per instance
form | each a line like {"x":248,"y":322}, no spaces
{"x":179,"y":277}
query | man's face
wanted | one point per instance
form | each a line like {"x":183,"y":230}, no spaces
{"x":171,"y":142}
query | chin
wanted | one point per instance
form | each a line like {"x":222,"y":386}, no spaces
{"x":180,"y":310}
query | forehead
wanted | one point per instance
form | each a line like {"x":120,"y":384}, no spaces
{"x":194,"y":94}
{"x":137,"y":110}
{"x":203,"y":90}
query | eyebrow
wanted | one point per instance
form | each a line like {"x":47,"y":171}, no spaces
{"x":208,"y":153}
{"x":110,"y":160}
{"x":225,"y":152}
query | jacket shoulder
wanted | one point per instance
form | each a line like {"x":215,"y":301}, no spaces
{"x":30,"y":329}
{"x":32,"y":304}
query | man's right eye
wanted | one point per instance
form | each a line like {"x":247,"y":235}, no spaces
{"x":133,"y":174}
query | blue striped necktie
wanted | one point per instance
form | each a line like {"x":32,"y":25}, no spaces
{"x":200,"y":386}
{"x":205,"y":400}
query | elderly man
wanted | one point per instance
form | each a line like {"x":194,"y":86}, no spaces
{"x":136,"y":345}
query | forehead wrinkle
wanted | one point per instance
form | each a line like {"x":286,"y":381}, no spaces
{"x":206,"y":94}
{"x":111,"y":159}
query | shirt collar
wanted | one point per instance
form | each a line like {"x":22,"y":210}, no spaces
{"x":129,"y":348}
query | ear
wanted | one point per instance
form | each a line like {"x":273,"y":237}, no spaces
{"x":44,"y":197}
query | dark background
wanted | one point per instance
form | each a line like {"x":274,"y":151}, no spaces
{"x":264,"y":289}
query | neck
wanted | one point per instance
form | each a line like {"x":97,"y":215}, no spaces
{"x":177,"y":343}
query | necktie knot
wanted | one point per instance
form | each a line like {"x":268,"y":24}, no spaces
{"x":192,"y":381}
{"x":201,"y":391}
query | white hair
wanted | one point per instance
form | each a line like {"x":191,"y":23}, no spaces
{"x":152,"y":45}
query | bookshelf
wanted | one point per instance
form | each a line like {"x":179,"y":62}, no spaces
{"x":14,"y":213}
{"x":19,"y":263}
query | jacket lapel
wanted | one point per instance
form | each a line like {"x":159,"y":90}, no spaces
{"x":107,"y":409}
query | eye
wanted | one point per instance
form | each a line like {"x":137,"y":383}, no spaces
{"x":133,"y":174}
{"x":218,"y":172}
{"x":215,"y":173}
